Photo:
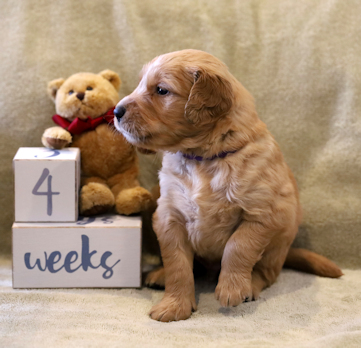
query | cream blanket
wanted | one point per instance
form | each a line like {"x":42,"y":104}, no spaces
{"x":300,"y":310}
{"x":301,"y":61}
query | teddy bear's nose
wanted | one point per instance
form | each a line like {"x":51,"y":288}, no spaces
{"x":80,"y":95}
{"x":119,"y":112}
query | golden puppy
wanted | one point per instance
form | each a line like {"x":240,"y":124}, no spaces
{"x":227,"y":194}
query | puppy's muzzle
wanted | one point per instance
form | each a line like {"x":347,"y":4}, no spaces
{"x":119,"y":112}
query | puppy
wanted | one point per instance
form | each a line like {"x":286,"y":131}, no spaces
{"x":227,"y":195}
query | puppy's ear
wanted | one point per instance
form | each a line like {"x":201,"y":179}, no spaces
{"x":210,"y":97}
{"x":53,"y":87}
{"x":112,"y":77}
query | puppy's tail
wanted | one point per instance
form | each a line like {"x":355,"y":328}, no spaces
{"x":309,"y":262}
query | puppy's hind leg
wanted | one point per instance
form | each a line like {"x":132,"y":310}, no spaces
{"x":156,"y":278}
{"x":267,"y":270}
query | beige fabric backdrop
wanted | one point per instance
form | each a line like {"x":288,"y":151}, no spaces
{"x":300,"y":59}
{"x":302,"y":62}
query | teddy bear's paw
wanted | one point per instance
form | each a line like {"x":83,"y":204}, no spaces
{"x":133,"y":200}
{"x":56,"y":138}
{"x":95,"y":199}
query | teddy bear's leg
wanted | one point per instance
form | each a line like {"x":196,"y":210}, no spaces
{"x":130,"y":198}
{"x":95,"y":197}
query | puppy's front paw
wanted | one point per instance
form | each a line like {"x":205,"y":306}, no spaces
{"x":233,"y":289}
{"x":173,"y":309}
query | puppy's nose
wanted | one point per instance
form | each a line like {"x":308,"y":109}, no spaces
{"x":119,"y":112}
{"x":80,"y":95}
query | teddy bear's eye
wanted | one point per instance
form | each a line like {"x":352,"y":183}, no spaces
{"x":89,"y":88}
{"x":71,"y":92}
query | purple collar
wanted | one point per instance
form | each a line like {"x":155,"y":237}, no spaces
{"x":200,"y":158}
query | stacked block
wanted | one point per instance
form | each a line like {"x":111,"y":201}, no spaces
{"x":52,"y":246}
{"x":46,"y":184}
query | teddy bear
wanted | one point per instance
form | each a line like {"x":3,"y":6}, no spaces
{"x":84,"y":105}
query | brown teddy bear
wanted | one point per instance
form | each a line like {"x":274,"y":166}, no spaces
{"x":109,"y":164}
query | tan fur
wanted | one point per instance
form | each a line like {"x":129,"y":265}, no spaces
{"x":109,"y":163}
{"x":242,"y":210}
{"x":307,"y":261}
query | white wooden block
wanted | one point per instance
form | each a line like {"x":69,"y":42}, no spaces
{"x":96,"y":252}
{"x":46,"y":184}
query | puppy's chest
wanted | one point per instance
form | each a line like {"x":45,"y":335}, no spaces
{"x":209,"y":213}
{"x":202,"y":203}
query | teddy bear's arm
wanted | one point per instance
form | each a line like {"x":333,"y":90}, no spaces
{"x":56,"y":138}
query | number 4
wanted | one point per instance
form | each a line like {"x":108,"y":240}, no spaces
{"x":49,"y":193}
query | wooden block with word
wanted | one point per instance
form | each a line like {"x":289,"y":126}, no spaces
{"x":95,"y":252}
{"x":46,"y":184}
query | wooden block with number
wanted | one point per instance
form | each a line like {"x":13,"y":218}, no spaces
{"x":96,"y":252}
{"x":46,"y":184}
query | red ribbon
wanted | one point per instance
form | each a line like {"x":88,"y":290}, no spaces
{"x":79,"y":126}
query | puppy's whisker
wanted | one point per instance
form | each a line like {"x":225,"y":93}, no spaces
{"x":114,"y":132}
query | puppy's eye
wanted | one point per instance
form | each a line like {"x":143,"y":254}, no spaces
{"x":89,"y":88}
{"x":162,"y":91}
{"x":70,"y":92}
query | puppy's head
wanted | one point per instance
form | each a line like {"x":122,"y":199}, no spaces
{"x":179,"y":99}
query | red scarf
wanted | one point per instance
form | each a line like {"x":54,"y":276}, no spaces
{"x":79,"y":126}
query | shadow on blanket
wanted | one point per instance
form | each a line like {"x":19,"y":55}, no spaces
{"x":206,"y":282}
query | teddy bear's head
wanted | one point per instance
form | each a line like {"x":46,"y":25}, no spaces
{"x":85,"y":94}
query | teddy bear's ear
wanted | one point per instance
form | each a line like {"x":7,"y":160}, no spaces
{"x":53,"y":87}
{"x":112,"y":77}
